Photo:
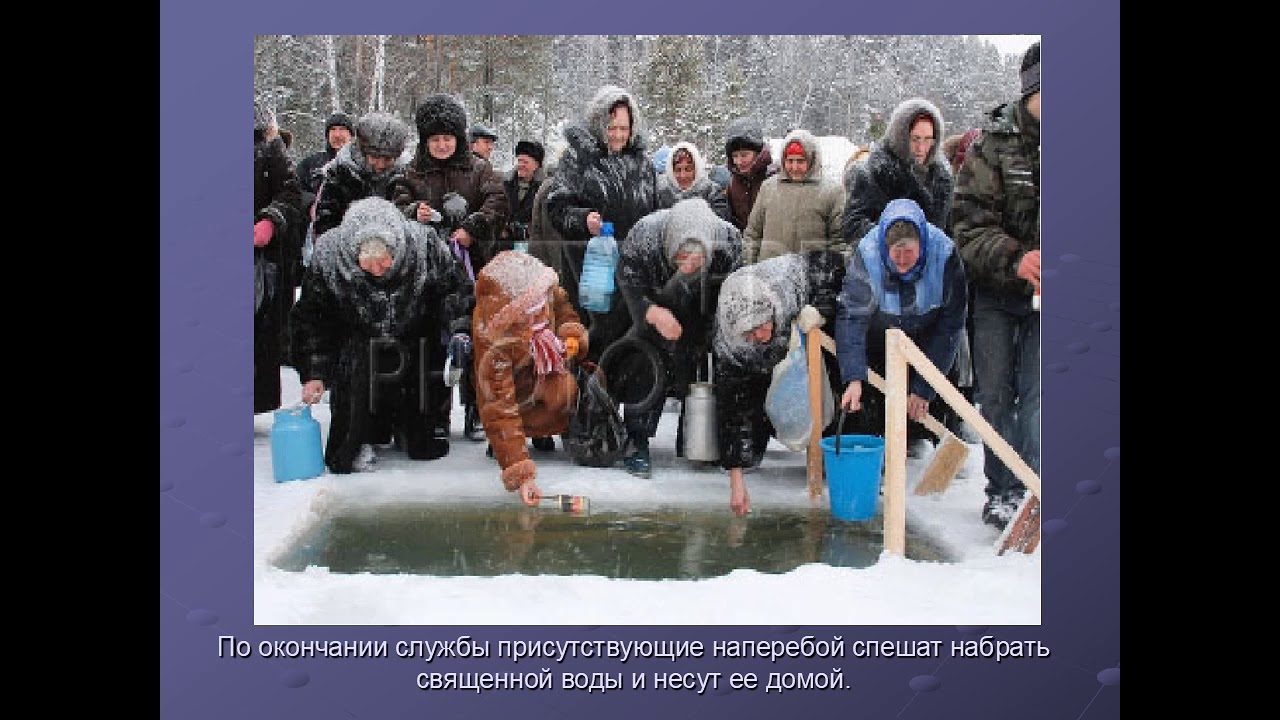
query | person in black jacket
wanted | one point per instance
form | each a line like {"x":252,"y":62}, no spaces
{"x":604,"y":175}
{"x":379,"y":291}
{"x":338,"y":131}
{"x":758,"y":305}
{"x":368,"y":166}
{"x":669,"y":275}
{"x":521,"y":187}
{"x":277,"y":233}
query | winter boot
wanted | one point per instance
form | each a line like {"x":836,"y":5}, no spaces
{"x":545,"y":444}
{"x":471,"y":427}
{"x":367,"y":460}
{"x":637,"y":463}
{"x":1000,"y":509}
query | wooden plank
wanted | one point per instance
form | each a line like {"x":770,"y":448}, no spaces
{"x":895,"y":446}
{"x":998,"y":445}
{"x":813,"y":463}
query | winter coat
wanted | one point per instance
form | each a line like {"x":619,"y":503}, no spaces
{"x":546,"y":244}
{"x":647,"y":276}
{"x":791,"y":216}
{"x":275,"y":198}
{"x":621,"y":187}
{"x":310,"y":173}
{"x":513,"y":401}
{"x":997,"y":205}
{"x":347,"y":178}
{"x":669,"y":193}
{"x":890,"y":173}
{"x":743,"y":187}
{"x":774,"y":289}
{"x":928,"y":303}
{"x":343,"y":308}
{"x":427,"y":180}
{"x":521,"y":210}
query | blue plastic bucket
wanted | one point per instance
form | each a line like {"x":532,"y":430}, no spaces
{"x":853,"y":476}
{"x":295,"y":445}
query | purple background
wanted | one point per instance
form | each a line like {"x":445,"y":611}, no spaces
{"x":206,"y":506}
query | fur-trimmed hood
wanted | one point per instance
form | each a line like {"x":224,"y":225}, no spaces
{"x":897,"y":135}
{"x":595,"y":119}
{"x":811,"y":150}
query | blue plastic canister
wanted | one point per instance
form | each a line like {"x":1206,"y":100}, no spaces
{"x":295,"y":445}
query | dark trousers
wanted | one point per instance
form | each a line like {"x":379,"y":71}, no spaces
{"x":1006,"y":361}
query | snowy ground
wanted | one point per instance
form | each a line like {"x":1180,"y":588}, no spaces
{"x":978,"y":588}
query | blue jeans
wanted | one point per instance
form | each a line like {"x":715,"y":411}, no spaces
{"x":1006,"y":364}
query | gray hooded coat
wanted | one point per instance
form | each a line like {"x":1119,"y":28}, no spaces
{"x":795,"y":216}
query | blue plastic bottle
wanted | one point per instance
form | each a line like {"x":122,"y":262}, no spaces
{"x":595,"y":291}
{"x":295,"y":445}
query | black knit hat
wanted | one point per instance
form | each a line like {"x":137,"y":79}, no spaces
{"x":743,"y":134}
{"x":1030,"y":72}
{"x":339,"y":119}
{"x":532,"y":148}
{"x":479,"y":131}
{"x":441,"y":114}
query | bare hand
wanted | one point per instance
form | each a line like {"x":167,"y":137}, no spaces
{"x":530,"y":494}
{"x":739,"y":499}
{"x":917,"y":407}
{"x":463,"y":237}
{"x":424,"y":213}
{"x":1029,"y":268}
{"x":594,"y":223}
{"x":664,"y":322}
{"x":852,"y":398}
{"x":312,"y":391}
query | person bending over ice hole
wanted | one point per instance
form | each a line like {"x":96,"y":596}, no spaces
{"x":378,"y":291}
{"x":525,"y":330}
{"x":757,"y":307}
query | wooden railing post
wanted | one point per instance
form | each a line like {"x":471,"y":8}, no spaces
{"x":895,"y":444}
{"x":814,"y":464}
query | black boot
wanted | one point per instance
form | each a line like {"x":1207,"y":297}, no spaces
{"x":471,"y":427}
{"x":637,"y":463}
{"x":545,"y":444}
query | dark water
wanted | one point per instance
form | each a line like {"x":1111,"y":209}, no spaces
{"x":657,"y":544}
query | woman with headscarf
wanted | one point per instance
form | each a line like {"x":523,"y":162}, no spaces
{"x":378,"y":293}
{"x":757,"y":307}
{"x":684,"y":175}
{"x":604,"y":175}
{"x":525,"y":330}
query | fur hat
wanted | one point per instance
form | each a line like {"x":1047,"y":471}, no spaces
{"x":479,"y":131}
{"x":339,"y":119}
{"x":743,"y":134}
{"x":263,"y":116}
{"x":441,"y":114}
{"x":532,"y":148}
{"x":381,"y":134}
{"x":1030,"y":72}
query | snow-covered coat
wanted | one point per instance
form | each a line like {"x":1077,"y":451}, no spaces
{"x":343,"y":308}
{"x":743,"y":187}
{"x":348,"y":177}
{"x":774,"y":289}
{"x":621,"y":187}
{"x":275,"y":198}
{"x":890,"y":173}
{"x":795,"y":216}
{"x":928,"y":303}
{"x":669,"y":193}
{"x":647,"y":275}
{"x":513,"y":401}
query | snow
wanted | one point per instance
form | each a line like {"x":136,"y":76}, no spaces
{"x":976,"y":588}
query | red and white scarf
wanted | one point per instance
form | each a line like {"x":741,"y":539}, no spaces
{"x":545,"y":348}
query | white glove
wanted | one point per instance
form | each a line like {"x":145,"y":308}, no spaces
{"x":809,"y":318}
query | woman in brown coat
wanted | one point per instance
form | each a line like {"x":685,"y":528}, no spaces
{"x":524,"y":329}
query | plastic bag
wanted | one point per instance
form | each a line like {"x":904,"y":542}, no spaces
{"x":596,"y":435}
{"x":787,"y":402}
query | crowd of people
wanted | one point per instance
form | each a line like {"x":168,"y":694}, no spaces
{"x":423,"y":268}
